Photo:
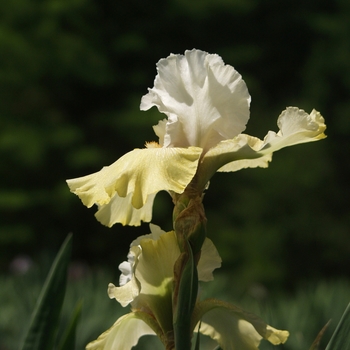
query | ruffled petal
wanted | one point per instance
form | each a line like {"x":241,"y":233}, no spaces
{"x":205,"y":100}
{"x":136,"y":177}
{"x":123,"y":335}
{"x":124,"y":294}
{"x":296,"y":126}
{"x":233,"y":328}
{"x":244,"y":151}
{"x":236,"y":154}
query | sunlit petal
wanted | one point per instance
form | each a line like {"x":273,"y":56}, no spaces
{"x":233,"y":155}
{"x":123,"y":335}
{"x":296,"y":126}
{"x":205,"y":100}
{"x":244,"y":151}
{"x":138,"y":176}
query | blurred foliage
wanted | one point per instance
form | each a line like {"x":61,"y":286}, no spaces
{"x":72,"y":74}
{"x":304,"y":313}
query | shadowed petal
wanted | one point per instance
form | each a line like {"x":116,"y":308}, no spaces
{"x":208,"y":262}
{"x":233,"y":328}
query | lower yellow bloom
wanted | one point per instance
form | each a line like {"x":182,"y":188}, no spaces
{"x":148,"y":277}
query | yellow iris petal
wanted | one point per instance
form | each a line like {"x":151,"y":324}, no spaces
{"x":137,"y":177}
{"x":123,"y":335}
{"x":244,"y":151}
{"x":234,"y":328}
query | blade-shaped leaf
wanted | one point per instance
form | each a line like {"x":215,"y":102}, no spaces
{"x":341,"y":337}
{"x":68,"y":339}
{"x":44,"y":320}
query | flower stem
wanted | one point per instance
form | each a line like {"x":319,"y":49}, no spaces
{"x":184,"y":299}
{"x":189,"y":226}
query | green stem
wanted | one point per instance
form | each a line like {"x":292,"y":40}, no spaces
{"x":185,"y":301}
{"x":189,"y":226}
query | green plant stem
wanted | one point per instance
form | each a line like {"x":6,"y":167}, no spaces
{"x":186,"y":299}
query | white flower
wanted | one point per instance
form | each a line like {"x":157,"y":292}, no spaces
{"x":207,"y":105}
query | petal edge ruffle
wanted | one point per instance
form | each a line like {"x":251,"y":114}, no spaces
{"x":205,"y":100}
{"x":137,"y":176}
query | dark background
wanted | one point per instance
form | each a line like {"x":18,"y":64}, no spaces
{"x":72,"y":74}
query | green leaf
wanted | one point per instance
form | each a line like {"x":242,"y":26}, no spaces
{"x":44,"y":321}
{"x":341,"y":337}
{"x":68,"y":339}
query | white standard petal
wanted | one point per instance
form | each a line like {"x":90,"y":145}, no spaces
{"x":205,"y":100}
{"x":123,"y":335}
{"x":137,"y":177}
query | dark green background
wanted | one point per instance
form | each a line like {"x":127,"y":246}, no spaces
{"x":72,"y":73}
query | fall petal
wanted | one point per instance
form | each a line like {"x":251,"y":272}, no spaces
{"x":123,"y":335}
{"x":233,"y":328}
{"x":120,"y":210}
{"x":205,"y":100}
{"x":296,"y":126}
{"x":137,"y":176}
{"x":244,"y":151}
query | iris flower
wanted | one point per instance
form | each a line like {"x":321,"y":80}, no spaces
{"x":207,"y":107}
{"x":147,"y":282}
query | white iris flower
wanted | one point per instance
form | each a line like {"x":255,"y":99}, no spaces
{"x":207,"y":107}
